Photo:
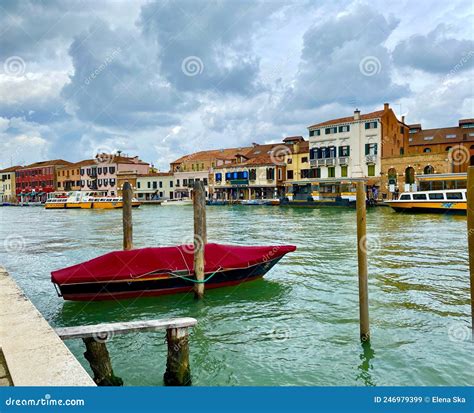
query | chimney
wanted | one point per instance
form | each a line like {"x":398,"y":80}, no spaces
{"x":385,"y":106}
{"x":357,"y":114}
{"x":254,"y":144}
{"x":403,"y":118}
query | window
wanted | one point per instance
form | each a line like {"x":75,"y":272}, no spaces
{"x":331,"y":172}
{"x":419,"y":197}
{"x":148,"y":184}
{"x":402,"y":151}
{"x":371,"y":170}
{"x":289,"y":161}
{"x":315,"y":132}
{"x":270,"y":173}
{"x":177,"y":181}
{"x":370,"y":125}
{"x":289,"y":174}
{"x":344,"y":150}
{"x":138,"y":184}
{"x":185,"y":182}
{"x":218,"y":177}
{"x":155,"y":185}
{"x":436,"y":195}
{"x":448,"y":148}
{"x":427,"y":150}
{"x":344,"y":128}
{"x":344,"y":171}
{"x":161,"y":184}
{"x":304,"y":159}
{"x":99,"y":170}
{"x":405,"y":197}
{"x":453,"y":136}
{"x":111,"y":170}
{"x":106,"y":182}
{"x":330,"y":130}
{"x":467,"y":125}
{"x":253,"y":174}
{"x":205,"y":181}
{"x":332,"y":152}
{"x":428,"y":170}
{"x":171,"y":184}
{"x":453,"y":195}
{"x":371,"y":149}
{"x":401,"y":130}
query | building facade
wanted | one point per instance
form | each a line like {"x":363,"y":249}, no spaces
{"x":429,"y":152}
{"x":68,"y":177}
{"x":7,"y":185}
{"x":102,"y":176}
{"x":155,"y":186}
{"x":257,"y":175}
{"x":34,"y":182}
{"x":184,"y":182}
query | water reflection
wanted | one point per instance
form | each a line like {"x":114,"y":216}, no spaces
{"x":367,"y":354}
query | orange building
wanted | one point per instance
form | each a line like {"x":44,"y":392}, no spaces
{"x":68,"y":177}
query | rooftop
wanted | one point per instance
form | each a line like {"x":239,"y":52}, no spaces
{"x":10,"y":169}
{"x":347,"y":119}
{"x":54,"y":162}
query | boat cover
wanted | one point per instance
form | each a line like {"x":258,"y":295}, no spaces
{"x":146,"y":262}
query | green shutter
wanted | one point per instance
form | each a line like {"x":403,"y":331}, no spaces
{"x":367,"y":148}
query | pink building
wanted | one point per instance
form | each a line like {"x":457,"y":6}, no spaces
{"x":102,"y":176}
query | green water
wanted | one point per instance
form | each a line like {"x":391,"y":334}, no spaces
{"x":297,"y":326}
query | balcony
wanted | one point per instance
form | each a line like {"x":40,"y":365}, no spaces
{"x":313,"y":162}
{"x":343,"y":160}
{"x":330,"y":161}
{"x":370,"y":159}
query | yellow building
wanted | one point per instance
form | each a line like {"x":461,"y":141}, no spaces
{"x":68,"y":177}
{"x":7,"y":184}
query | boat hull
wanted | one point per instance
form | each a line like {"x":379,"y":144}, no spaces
{"x":89,"y":205}
{"x":160,"y":284}
{"x":429,"y":207}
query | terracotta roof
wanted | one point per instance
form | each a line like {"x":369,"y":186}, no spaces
{"x":439,"y":136}
{"x":371,"y":115}
{"x":212,"y":154}
{"x":262,"y":155}
{"x":54,"y":162}
{"x":11,"y":169}
{"x":79,"y":164}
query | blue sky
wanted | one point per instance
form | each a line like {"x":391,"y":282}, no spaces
{"x":164,"y":78}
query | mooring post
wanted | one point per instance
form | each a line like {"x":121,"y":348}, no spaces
{"x":200,"y":236}
{"x":98,"y":357}
{"x":470,"y":236}
{"x":362,"y":262}
{"x":127,"y":195}
{"x":178,"y":372}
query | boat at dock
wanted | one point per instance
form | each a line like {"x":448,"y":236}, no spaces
{"x":177,"y":202}
{"x":85,"y":200}
{"x":446,"y":201}
{"x":165,"y":270}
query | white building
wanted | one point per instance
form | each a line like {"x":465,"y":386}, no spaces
{"x":154,"y":186}
{"x":184,"y":182}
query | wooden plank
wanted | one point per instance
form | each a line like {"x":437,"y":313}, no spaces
{"x":98,"y":330}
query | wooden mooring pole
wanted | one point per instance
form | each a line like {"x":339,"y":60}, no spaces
{"x":98,"y":357}
{"x":470,"y":236}
{"x":127,"y":195}
{"x":177,"y":372}
{"x":200,"y":236}
{"x":362,"y":262}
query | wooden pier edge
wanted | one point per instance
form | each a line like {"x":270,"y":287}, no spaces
{"x":362,"y":262}
{"x":178,"y":371}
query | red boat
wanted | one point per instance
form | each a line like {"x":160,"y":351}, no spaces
{"x":167,"y":270}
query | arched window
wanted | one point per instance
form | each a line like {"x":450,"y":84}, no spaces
{"x":448,"y":148}
{"x":392,"y":176}
{"x":427,"y":150}
{"x":410,"y":175}
{"x":428,"y":170}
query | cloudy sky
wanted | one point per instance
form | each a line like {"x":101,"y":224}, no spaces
{"x":164,"y":78}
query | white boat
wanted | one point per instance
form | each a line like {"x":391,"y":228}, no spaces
{"x":177,"y":202}
{"x":443,"y":201}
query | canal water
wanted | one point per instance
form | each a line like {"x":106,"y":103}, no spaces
{"x":297,"y":326}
